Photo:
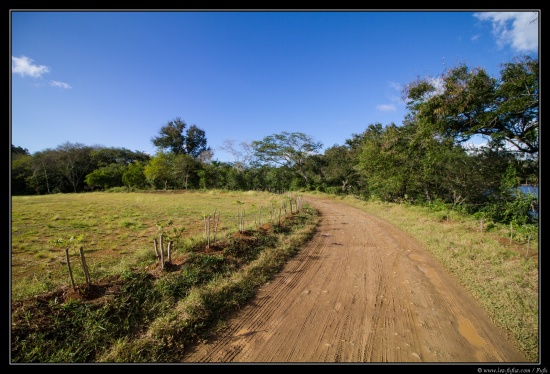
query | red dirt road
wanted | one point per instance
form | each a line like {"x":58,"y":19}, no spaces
{"x":360,"y":291}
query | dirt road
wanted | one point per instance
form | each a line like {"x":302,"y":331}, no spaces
{"x":360,"y":291}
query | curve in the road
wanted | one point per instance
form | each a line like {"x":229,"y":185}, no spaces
{"x":360,"y":291}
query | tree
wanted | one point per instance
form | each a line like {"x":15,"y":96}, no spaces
{"x":195,"y":142}
{"x":45,"y":175}
{"x":19,"y":151}
{"x":516,"y":116}
{"x":159,"y":169}
{"x":340,"y":167}
{"x":134,"y":176}
{"x":121,"y":156}
{"x":234,"y":179}
{"x":112,"y":164}
{"x":212,"y":175}
{"x":183,"y":168}
{"x":106,"y":176}
{"x":174,"y":138}
{"x":286,"y":149}
{"x":171,"y":137}
{"x":385,"y":162}
{"x":74,"y":163}
{"x":275,"y":179}
{"x":470,"y":102}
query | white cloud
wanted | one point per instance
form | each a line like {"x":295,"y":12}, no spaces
{"x":517,"y":29}
{"x":59,"y":84}
{"x":386,"y":108}
{"x":395,"y":86}
{"x":24,"y":66}
{"x":394,"y":99}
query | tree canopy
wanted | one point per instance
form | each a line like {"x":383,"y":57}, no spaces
{"x":465,"y":102}
{"x":177,"y":140}
{"x":286,"y":149}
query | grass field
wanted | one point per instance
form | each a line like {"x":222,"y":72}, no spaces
{"x":115,"y":228}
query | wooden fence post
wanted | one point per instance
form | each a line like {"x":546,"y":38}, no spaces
{"x":157,"y":249}
{"x":161,"y":252}
{"x":69,"y":266}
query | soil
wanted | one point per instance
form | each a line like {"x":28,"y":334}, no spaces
{"x":360,"y":291}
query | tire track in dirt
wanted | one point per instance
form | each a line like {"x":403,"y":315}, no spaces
{"x":266,"y":306}
{"x":360,"y":291}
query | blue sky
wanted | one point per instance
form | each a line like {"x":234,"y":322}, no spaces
{"x":114,"y":79}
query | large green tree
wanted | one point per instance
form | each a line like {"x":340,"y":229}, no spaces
{"x":409,"y":163}
{"x":134,"y":176}
{"x":195,"y":142}
{"x":106,"y":176}
{"x":158,"y":170}
{"x":385,"y":162}
{"x":465,"y":102}
{"x":171,"y":137}
{"x":74,"y":163}
{"x":112,"y":164}
{"x":184,"y":169}
{"x":286,"y":149}
{"x":340,"y":168}
{"x":176,"y":138}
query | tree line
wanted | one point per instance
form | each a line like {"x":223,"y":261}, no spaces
{"x":425,"y":160}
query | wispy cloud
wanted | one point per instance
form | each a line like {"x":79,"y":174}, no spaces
{"x":24,"y":66}
{"x":517,"y":29}
{"x":393,"y":98}
{"x":395,"y":86}
{"x":59,"y":84}
{"x":386,"y":108}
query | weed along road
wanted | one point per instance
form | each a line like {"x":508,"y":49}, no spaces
{"x":360,"y":291}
